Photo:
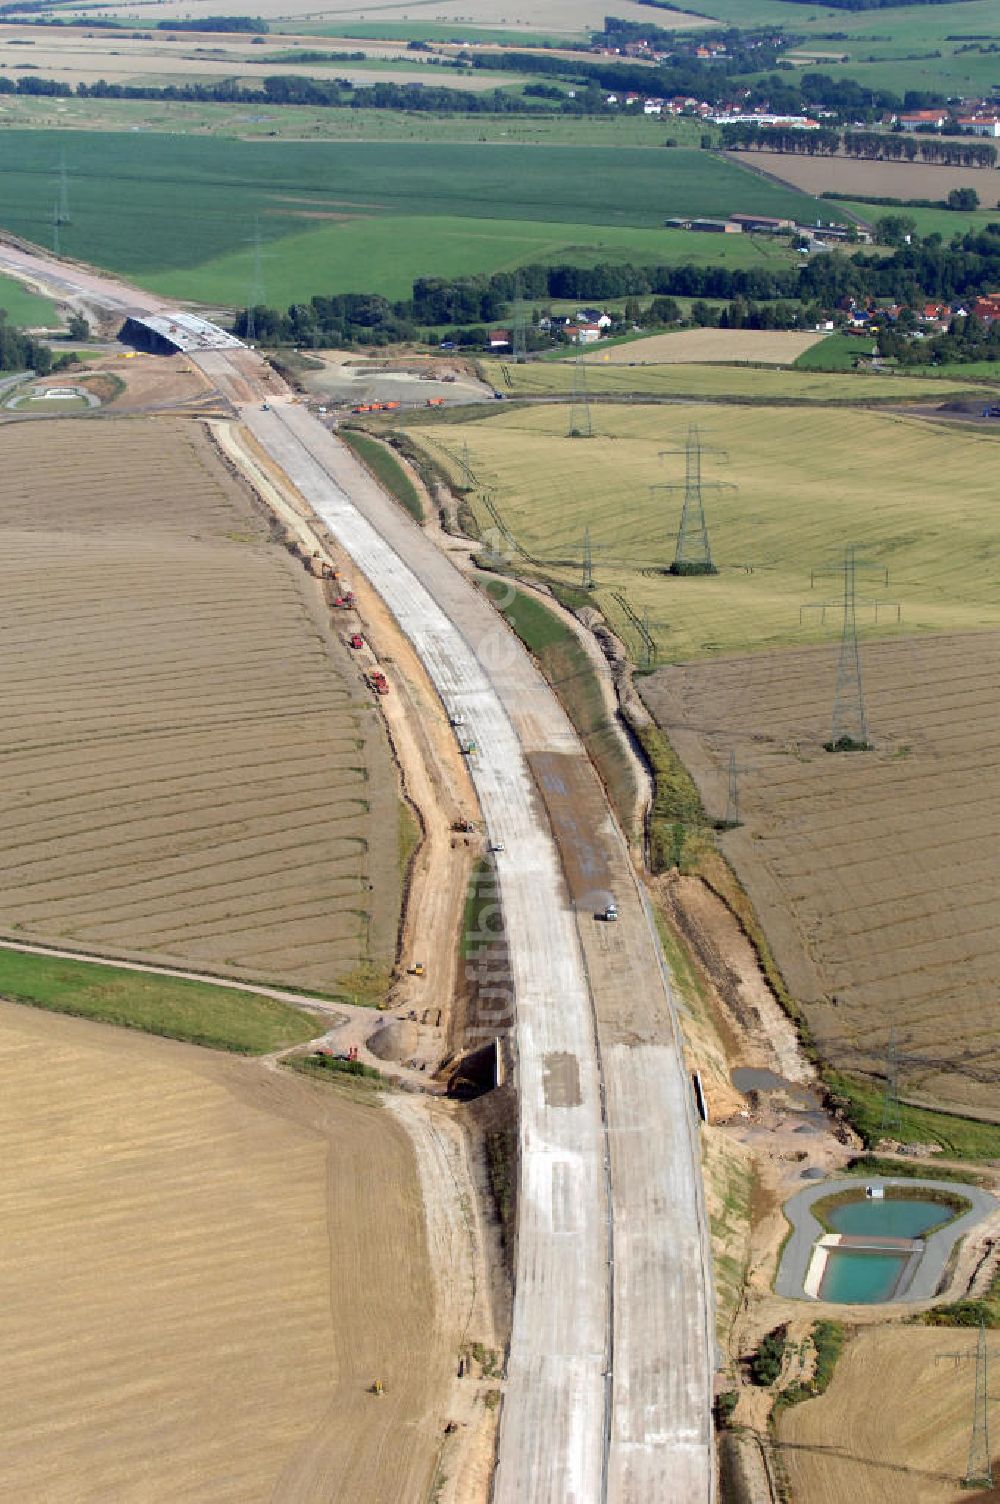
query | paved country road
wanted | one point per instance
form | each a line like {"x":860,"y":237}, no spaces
{"x":609,"y":1372}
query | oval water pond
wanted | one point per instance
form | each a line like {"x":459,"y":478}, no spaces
{"x":891,"y":1218}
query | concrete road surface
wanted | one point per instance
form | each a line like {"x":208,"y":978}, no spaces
{"x":612,"y":1349}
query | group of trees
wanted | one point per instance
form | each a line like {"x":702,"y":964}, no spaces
{"x":19,"y":352}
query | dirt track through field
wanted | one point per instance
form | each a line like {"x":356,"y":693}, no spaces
{"x":204,"y":1266}
{"x":193,"y":770}
{"x":874,"y":873}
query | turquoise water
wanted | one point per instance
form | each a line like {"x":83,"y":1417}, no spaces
{"x":890,"y":1219}
{"x":858,"y":1277}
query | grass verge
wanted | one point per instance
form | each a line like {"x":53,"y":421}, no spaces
{"x":901,"y":1169}
{"x":569,"y":670}
{"x":196,"y":1012}
{"x":482,"y":922}
{"x":959,"y":1138}
{"x":330,"y":1066}
{"x":386,"y":469}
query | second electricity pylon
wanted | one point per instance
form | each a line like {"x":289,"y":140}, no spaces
{"x":693,"y":554}
{"x":580,"y":425}
{"x":892,"y":1118}
{"x":519,"y":342}
{"x":979,"y":1467}
{"x":255,"y":292}
{"x":60,"y":211}
{"x":849,"y":727}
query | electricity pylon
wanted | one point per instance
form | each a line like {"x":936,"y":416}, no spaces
{"x":892,"y":1118}
{"x":580,"y":425}
{"x":519,"y":342}
{"x":693,"y":554}
{"x":60,"y":211}
{"x":849,"y":726}
{"x":979,"y":1466}
{"x":255,"y":292}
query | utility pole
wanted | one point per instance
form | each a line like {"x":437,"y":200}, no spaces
{"x":580,"y":424}
{"x":733,"y":802}
{"x":979,"y":1466}
{"x":849,"y":731}
{"x":693,"y":554}
{"x":648,"y":645}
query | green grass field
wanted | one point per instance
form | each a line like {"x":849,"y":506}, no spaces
{"x":837,"y":353}
{"x":27,"y":308}
{"x":747,"y":383}
{"x":809,"y":480}
{"x":944,"y":222}
{"x":219,"y":1017}
{"x":177,"y":213}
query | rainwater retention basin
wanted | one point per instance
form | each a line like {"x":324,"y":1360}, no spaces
{"x":857,"y":1242}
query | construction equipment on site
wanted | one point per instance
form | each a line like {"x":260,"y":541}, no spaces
{"x":416,"y":970}
{"x":377,"y":1388}
{"x":356,"y":640}
{"x":469,"y":749}
{"x":378,"y":682}
{"x":456,"y":718}
{"x":463,"y":824}
{"x":345,"y":602}
{"x":610,"y":911}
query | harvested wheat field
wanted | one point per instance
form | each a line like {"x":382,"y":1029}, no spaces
{"x":192,"y":771}
{"x":874,"y":873}
{"x":204,"y":1265}
{"x":808,"y":480}
{"x":850,"y":176}
{"x":894,"y":1426}
{"x":777,"y":347}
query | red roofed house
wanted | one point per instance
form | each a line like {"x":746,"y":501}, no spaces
{"x":914,"y":119}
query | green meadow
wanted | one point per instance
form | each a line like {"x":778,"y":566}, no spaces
{"x":178,"y":214}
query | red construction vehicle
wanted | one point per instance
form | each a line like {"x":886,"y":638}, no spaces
{"x":345,"y":602}
{"x":378,"y":682}
{"x":357,"y":641}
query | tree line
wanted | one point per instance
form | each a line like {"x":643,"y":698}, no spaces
{"x":870,"y":145}
{"x":757,"y":297}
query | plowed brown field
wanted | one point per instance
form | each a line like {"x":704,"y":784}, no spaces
{"x":204,"y":1266}
{"x":191,"y":770}
{"x":875,"y":873}
{"x":850,"y":175}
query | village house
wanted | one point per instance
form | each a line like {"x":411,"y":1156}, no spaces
{"x":915,"y":120}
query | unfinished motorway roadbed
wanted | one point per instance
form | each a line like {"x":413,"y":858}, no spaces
{"x":608,"y":1394}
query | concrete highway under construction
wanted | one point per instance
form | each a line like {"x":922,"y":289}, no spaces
{"x":609,"y":1373}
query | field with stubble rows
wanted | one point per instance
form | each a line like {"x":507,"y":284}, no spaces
{"x":204,"y":1266}
{"x":873,"y":873}
{"x":191,"y":770}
